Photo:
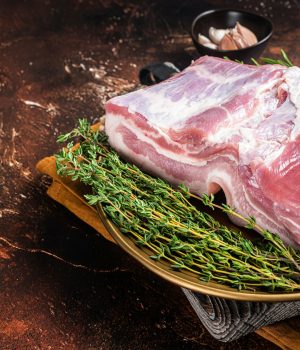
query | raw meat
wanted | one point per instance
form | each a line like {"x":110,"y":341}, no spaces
{"x":220,"y":125}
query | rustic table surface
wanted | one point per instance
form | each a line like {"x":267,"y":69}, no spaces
{"x":61,"y":60}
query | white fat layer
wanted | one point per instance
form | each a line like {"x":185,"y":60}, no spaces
{"x":292,"y":77}
{"x":291,"y":222}
{"x":222,"y":177}
{"x":173,"y":113}
{"x":246,"y":129}
{"x":117,"y":142}
{"x":113,"y":121}
{"x":238,"y":198}
{"x":260,"y":215}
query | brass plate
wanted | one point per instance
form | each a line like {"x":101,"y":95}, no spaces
{"x":186,"y":279}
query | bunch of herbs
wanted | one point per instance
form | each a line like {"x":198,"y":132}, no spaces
{"x":163,"y":219}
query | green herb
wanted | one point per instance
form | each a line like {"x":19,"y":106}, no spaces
{"x":255,"y":62}
{"x":162,"y":218}
{"x":285,"y":61}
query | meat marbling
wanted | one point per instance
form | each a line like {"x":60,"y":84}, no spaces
{"x":220,"y":124}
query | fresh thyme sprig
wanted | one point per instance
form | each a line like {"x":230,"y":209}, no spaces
{"x":162,"y":219}
{"x":285,"y":61}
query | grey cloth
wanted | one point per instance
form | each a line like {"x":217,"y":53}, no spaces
{"x":228,"y":320}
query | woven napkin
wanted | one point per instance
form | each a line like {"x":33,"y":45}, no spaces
{"x":70,"y":195}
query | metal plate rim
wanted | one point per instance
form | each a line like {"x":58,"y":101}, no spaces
{"x":183,"y":279}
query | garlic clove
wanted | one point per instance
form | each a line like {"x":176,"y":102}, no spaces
{"x":248,"y":36}
{"x":238,"y":39}
{"x":217,"y":35}
{"x":203,"y":39}
{"x":227,"y":43}
{"x":211,"y":45}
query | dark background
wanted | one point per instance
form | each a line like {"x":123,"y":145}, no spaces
{"x":59,"y":61}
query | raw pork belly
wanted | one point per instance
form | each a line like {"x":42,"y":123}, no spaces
{"x":220,"y":125}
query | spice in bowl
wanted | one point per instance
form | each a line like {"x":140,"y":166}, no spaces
{"x":235,"y":38}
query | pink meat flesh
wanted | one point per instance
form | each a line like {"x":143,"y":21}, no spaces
{"x":220,"y":125}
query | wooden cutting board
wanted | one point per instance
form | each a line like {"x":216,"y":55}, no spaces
{"x":285,"y":334}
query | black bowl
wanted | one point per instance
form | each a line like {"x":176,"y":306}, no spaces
{"x":260,"y":26}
